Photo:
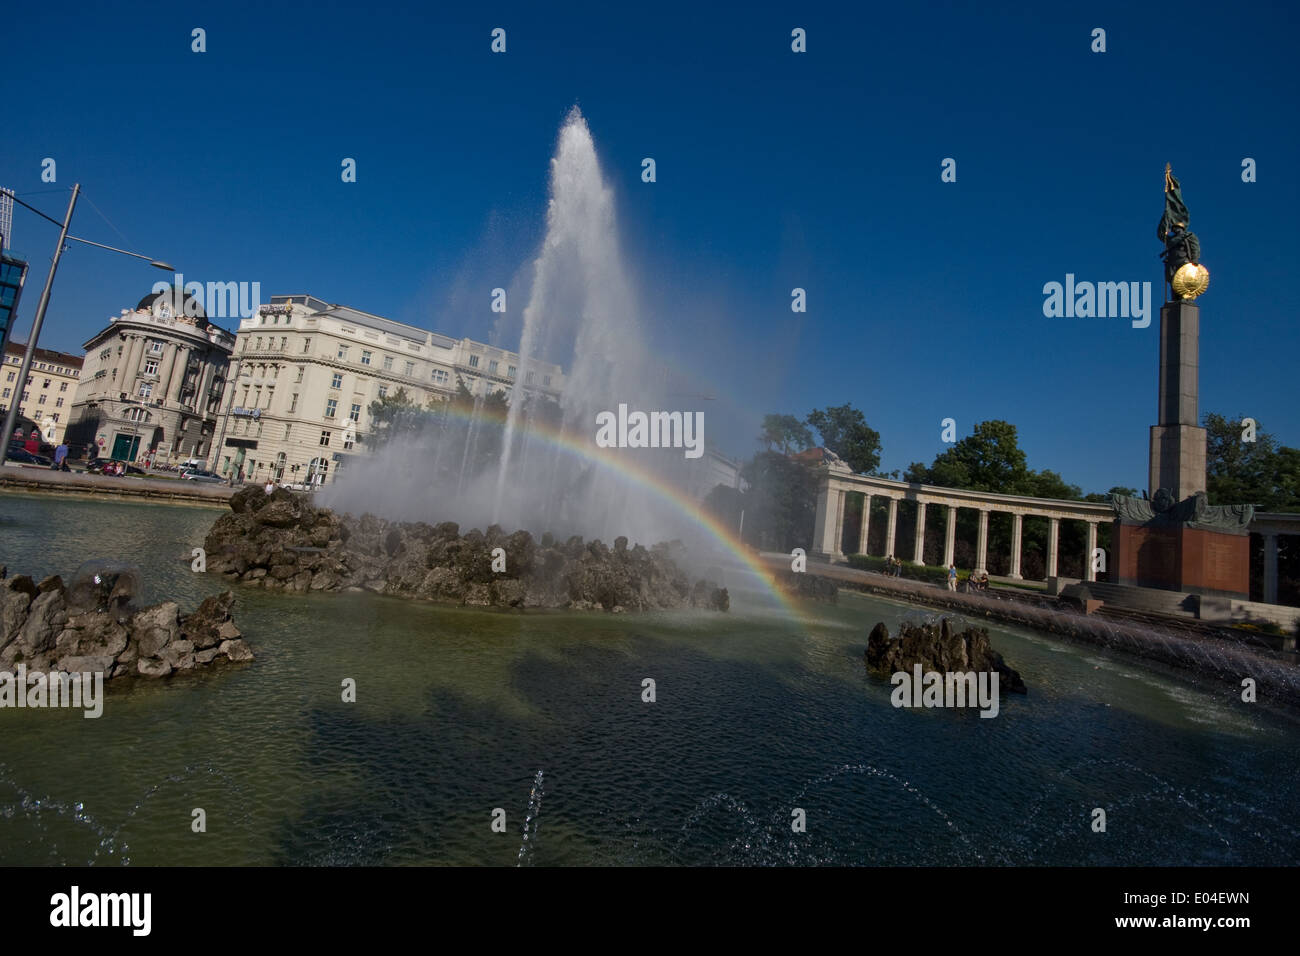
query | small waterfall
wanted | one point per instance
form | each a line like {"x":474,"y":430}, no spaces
{"x":530,"y":818}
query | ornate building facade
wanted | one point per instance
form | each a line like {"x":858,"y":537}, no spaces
{"x":304,"y":373}
{"x":152,"y":381}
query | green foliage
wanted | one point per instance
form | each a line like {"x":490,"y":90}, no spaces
{"x":395,"y":417}
{"x":785,"y":433}
{"x":726,"y":504}
{"x":844,"y":430}
{"x":780,"y":503}
{"x":1263,"y":472}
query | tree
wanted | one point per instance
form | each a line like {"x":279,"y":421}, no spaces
{"x":844,"y":430}
{"x":785,"y":432}
{"x":396,"y":417}
{"x":1263,"y":472}
{"x":989,"y":459}
{"x":780,"y":503}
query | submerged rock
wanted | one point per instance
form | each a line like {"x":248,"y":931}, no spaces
{"x":91,"y":627}
{"x":283,"y":542}
{"x":937,"y":646}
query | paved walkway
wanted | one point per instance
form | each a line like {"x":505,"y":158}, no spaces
{"x":39,"y":479}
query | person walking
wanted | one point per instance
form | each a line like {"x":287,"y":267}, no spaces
{"x":952,"y":577}
{"x":60,"y":457}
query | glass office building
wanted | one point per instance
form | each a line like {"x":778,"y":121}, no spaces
{"x":13,"y":271}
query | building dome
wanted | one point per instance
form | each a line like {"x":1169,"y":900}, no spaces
{"x":174,"y":303}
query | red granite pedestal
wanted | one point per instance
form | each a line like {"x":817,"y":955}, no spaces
{"x":1178,"y":558}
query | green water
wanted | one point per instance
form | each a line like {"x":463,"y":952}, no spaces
{"x":756,"y":713}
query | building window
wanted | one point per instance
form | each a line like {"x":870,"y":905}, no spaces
{"x":325,"y":439}
{"x":365,"y":357}
{"x":55,"y":416}
{"x":547,"y":381}
{"x":306,"y":346}
{"x":383,"y":391}
{"x":355,"y":414}
{"x":63,"y":386}
{"x":388,"y":363}
{"x":40,"y":399}
{"x":146,"y":389}
{"x":510,"y":372}
{"x":151,"y":366}
{"x":7,"y":391}
{"x":331,"y":407}
{"x":473,"y":361}
{"x":46,"y":384}
{"x":156,"y":346}
{"x":300,"y":371}
{"x":11,"y":376}
{"x":492,"y":367}
{"x":284,"y":342}
{"x":343,"y":353}
{"x":270,"y":395}
{"x":293,"y":403}
{"x":410,"y":369}
{"x":440,"y":376}
{"x":58,"y":403}
{"x":259,"y":428}
{"x":287,"y":427}
{"x":337,"y":380}
{"x":258,"y":346}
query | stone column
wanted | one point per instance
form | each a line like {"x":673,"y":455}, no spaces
{"x":129,"y":363}
{"x":203,"y":386}
{"x":982,"y":547}
{"x":838,"y":552}
{"x":178,"y":374}
{"x":950,"y":538}
{"x":827,"y":522}
{"x":1053,"y":541}
{"x":1088,"y":573}
{"x":166,"y":365}
{"x":866,"y":523}
{"x":918,"y":546}
{"x":1017,"y":523}
{"x":893,"y":527}
{"x":1270,"y":568}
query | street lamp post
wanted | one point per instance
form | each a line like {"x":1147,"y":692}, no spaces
{"x":12,"y":414}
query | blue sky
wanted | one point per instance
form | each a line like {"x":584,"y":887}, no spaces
{"x":775,"y":170}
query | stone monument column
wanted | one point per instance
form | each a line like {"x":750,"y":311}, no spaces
{"x":1178,"y":442}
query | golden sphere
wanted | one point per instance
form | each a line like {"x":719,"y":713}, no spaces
{"x":1190,"y":280}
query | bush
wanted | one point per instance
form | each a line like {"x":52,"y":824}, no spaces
{"x":915,"y":572}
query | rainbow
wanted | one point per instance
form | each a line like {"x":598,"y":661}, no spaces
{"x":657,"y":486}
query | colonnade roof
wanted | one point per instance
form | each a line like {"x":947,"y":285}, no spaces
{"x":1263,"y":523}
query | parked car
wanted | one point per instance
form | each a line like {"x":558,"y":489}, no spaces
{"x":198,"y":474}
{"x":23,"y":457}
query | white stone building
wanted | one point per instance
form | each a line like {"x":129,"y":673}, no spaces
{"x":51,"y":388}
{"x":305,"y":371}
{"x":151,"y":382}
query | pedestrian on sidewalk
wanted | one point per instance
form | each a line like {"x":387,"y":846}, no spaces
{"x":952,"y":577}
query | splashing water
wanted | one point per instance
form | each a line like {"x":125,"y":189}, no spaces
{"x":530,"y":818}
{"x":519,"y":468}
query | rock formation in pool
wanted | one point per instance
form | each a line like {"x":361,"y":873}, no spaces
{"x":937,"y":646}
{"x":91,"y":626}
{"x":283,"y":542}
